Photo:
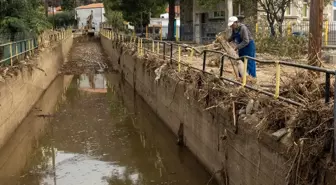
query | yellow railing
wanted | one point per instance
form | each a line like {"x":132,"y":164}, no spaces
{"x":13,"y":51}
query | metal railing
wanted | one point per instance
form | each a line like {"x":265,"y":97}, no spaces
{"x":12,"y":52}
{"x":154,"y":46}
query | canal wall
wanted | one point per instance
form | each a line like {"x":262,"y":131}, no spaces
{"x":241,"y":159}
{"x":235,"y":153}
{"x":19,"y":93}
{"x":17,"y":152}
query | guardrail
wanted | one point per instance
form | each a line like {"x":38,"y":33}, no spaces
{"x":153,"y":46}
{"x":15,"y":51}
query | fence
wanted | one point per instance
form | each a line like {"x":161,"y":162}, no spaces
{"x":166,"y":53}
{"x":202,"y":33}
{"x":12,"y":52}
{"x":302,"y":29}
{"x":5,"y":37}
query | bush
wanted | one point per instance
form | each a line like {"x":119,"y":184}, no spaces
{"x":63,"y":19}
{"x":21,"y":19}
{"x":286,"y":46}
{"x":115,"y":18}
{"x":293,"y":43}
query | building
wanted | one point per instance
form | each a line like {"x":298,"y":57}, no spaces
{"x":98,"y":15}
{"x":200,"y":24}
{"x":54,"y":10}
{"x":177,"y":11}
{"x":297,"y":20}
{"x":299,"y":11}
{"x":156,"y":23}
{"x":163,"y":22}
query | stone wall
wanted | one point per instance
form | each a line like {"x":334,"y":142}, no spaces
{"x":243,"y":157}
{"x":19,"y":93}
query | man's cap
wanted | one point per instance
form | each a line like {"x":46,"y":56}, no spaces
{"x":232,"y":20}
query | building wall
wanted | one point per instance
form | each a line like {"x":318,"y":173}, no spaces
{"x":201,"y":24}
{"x":206,"y":26}
{"x":164,"y":22}
{"x":187,"y":32}
{"x":98,"y":17}
{"x":296,"y":13}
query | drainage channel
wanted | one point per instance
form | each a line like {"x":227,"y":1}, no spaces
{"x":97,"y":131}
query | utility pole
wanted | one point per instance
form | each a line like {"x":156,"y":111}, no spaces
{"x":315,"y":31}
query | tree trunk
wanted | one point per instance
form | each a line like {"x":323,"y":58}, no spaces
{"x":315,"y":32}
{"x":280,"y":29}
{"x":271,"y":21}
{"x":272,"y":29}
{"x":171,"y":35}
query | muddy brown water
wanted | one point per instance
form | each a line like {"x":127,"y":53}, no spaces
{"x":95,"y":130}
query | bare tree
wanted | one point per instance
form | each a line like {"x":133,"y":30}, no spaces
{"x":275,"y":12}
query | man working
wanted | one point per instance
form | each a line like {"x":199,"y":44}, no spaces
{"x":245,"y":45}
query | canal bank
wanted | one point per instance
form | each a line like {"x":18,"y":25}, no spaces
{"x":102,"y":132}
{"x":24,"y":83}
{"x":228,"y":146}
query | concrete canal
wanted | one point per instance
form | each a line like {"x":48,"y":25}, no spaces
{"x":94,"y":129}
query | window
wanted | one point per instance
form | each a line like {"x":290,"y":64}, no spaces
{"x":218,"y":14}
{"x":305,"y":9}
{"x":288,"y":10}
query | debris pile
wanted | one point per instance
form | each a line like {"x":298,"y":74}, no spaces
{"x":307,"y":130}
{"x":85,"y":57}
{"x":26,"y":61}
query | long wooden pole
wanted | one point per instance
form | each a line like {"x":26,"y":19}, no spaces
{"x":315,"y":31}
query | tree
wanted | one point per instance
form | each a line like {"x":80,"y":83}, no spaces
{"x":315,"y":32}
{"x":275,"y":12}
{"x":171,"y":20}
{"x":26,"y":18}
{"x":64,"y":19}
{"x":137,"y":12}
{"x":68,"y":5}
{"x":115,"y":18}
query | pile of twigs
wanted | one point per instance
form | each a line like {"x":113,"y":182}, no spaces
{"x":310,"y":127}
